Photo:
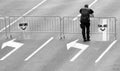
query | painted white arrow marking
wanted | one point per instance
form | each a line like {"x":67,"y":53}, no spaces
{"x":74,"y":44}
{"x":11,"y":43}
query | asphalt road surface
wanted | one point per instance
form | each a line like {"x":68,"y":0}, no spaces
{"x":52,"y":54}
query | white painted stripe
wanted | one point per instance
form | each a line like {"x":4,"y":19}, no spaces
{"x":39,"y":49}
{"x":23,"y":15}
{"x":9,"y":54}
{"x":93,"y":3}
{"x":110,"y":46}
{"x":89,"y":6}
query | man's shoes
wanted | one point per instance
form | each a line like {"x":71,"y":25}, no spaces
{"x":88,"y":39}
{"x":84,"y":40}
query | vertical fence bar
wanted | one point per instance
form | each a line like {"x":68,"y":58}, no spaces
{"x":6,"y":29}
{"x":60,"y":37}
{"x":9,"y":28}
{"x":2,"y":27}
{"x":115,"y":29}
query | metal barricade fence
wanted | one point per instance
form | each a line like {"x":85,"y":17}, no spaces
{"x":104,"y":26}
{"x":55,"y":24}
{"x":3,"y":31}
{"x":97,"y":24}
{"x":36,"y":24}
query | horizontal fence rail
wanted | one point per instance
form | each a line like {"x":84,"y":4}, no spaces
{"x":54,"y":24}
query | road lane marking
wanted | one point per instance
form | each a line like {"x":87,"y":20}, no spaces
{"x":80,"y":46}
{"x":110,"y":46}
{"x":12,"y":44}
{"x":23,"y":15}
{"x":93,"y":3}
{"x":39,"y":49}
{"x":89,"y":6}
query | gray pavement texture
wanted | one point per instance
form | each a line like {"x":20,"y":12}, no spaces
{"x":55,"y":56}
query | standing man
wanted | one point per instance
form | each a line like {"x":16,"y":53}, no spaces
{"x":86,"y":13}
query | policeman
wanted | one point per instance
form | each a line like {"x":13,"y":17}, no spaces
{"x":86,"y":13}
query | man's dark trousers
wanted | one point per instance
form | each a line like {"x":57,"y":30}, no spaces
{"x":85,"y":26}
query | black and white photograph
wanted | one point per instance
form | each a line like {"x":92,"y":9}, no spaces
{"x":59,"y":35}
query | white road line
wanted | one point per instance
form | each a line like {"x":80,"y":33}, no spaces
{"x":89,"y":6}
{"x":23,"y":15}
{"x":93,"y":3}
{"x":110,"y":46}
{"x":39,"y":49}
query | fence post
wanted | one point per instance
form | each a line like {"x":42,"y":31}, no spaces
{"x":5,"y":20}
{"x":61,"y":28}
{"x":115,"y":28}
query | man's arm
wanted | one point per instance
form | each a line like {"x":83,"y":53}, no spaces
{"x":91,"y":13}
